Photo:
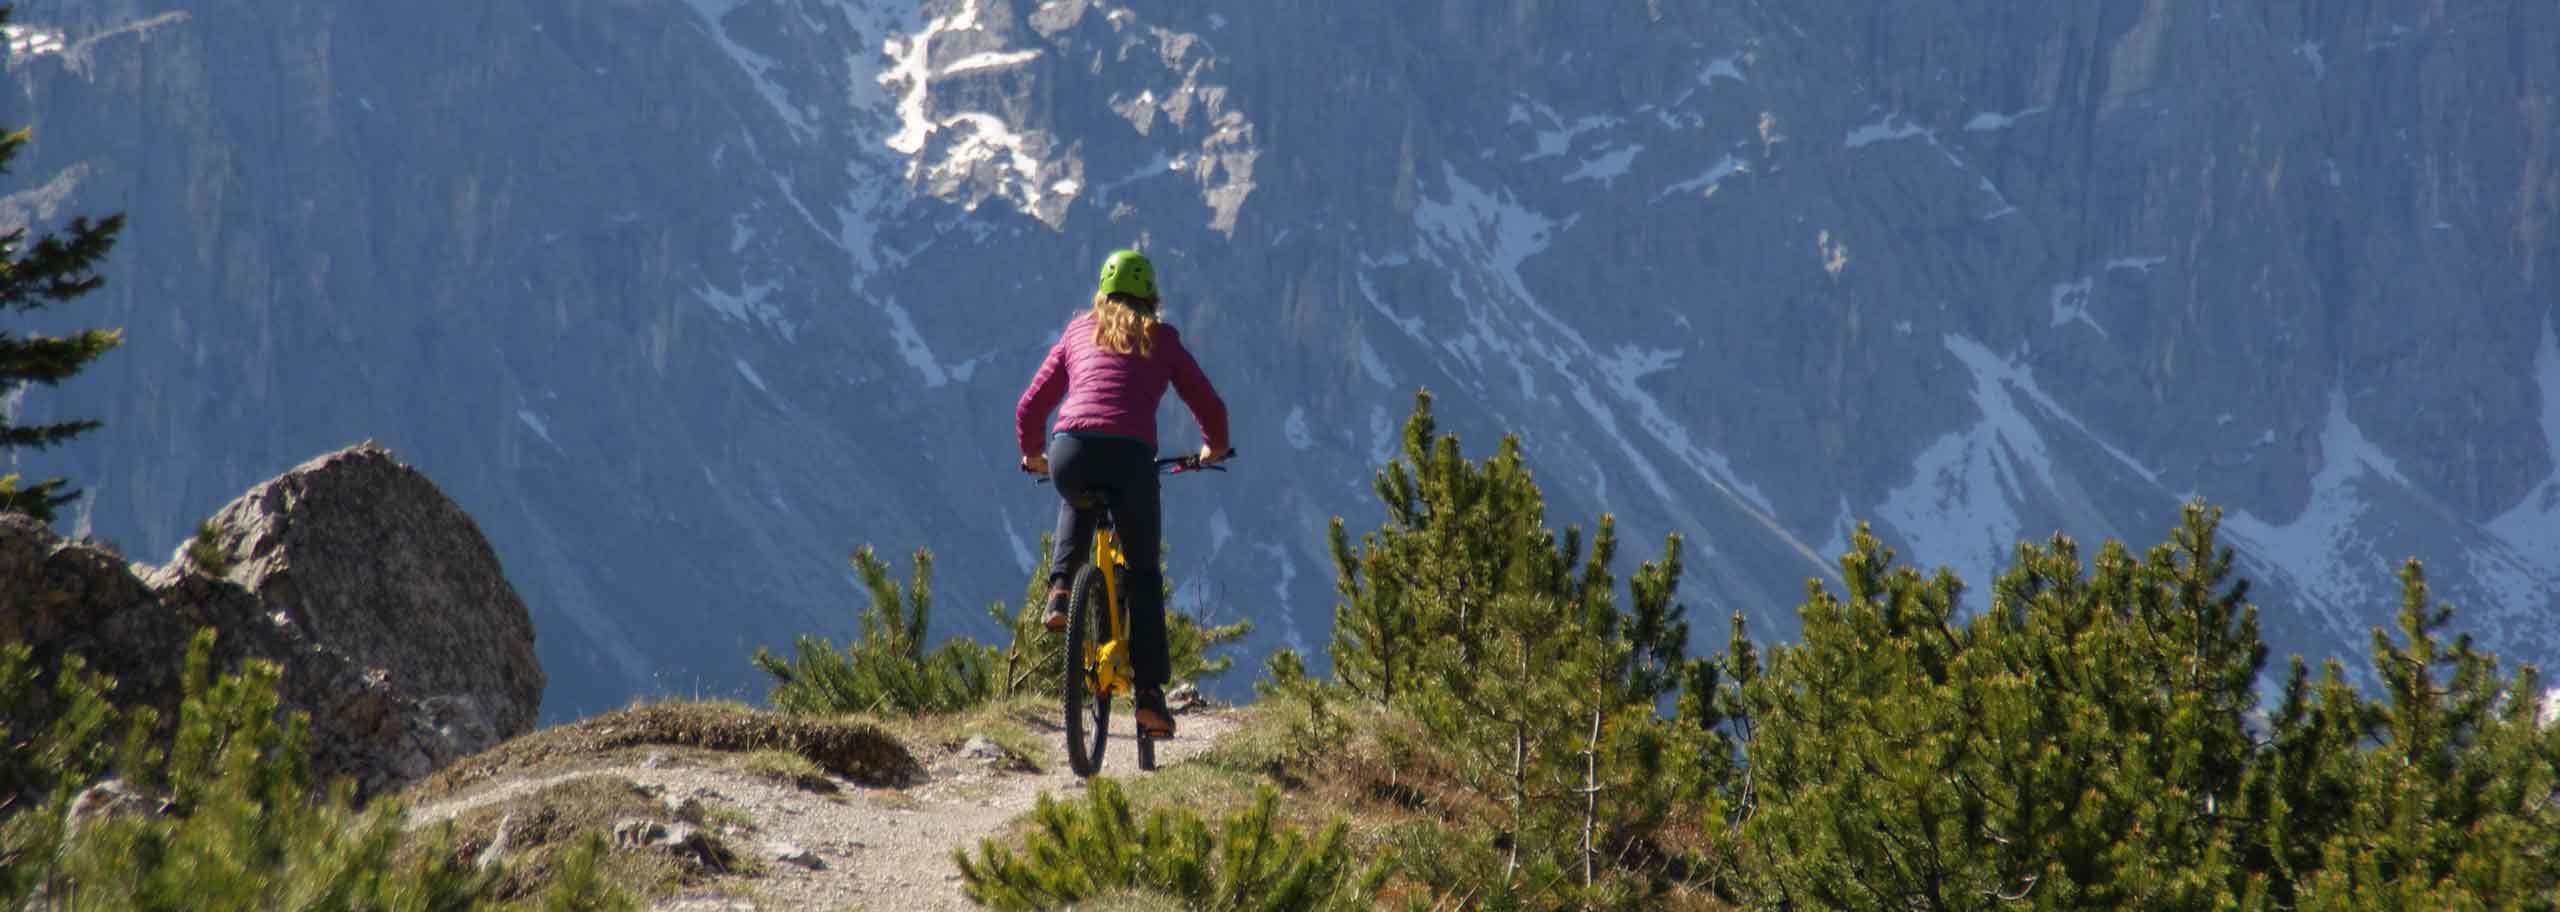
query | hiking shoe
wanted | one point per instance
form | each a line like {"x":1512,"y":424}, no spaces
{"x":1056,"y":619}
{"x":1154,"y":720}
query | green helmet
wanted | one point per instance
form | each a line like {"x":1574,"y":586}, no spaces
{"x":1127,"y":272}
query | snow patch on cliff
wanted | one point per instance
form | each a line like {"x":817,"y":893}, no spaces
{"x":1022,"y":557}
{"x":976,"y":139}
{"x":2069,"y":302}
{"x":749,"y":304}
{"x":1163,"y":164}
{"x":748,"y":371}
{"x":2005,"y":208}
{"x":1993,"y":120}
{"x":758,"y":67}
{"x":990,"y":60}
{"x":1221,"y":530}
{"x":2309,"y":51}
{"x":1725,"y":67}
{"x":1608,"y":166}
{"x":1373,"y":365}
{"x":1960,"y":509}
{"x":984,"y":139}
{"x":911,"y":345}
{"x":1296,"y":430}
{"x":2323,"y":551}
{"x":1891,"y":128}
{"x":1480,"y":238}
{"x":29,"y":41}
{"x":1288,"y":564}
{"x":1557,"y":137}
{"x":1495,"y":230}
{"x":540,"y":427}
{"x":1411,"y":326}
{"x":1705,"y":185}
{"x":2527,"y":574}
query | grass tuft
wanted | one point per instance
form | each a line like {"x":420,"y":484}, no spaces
{"x":789,"y":769}
{"x":851,"y":749}
{"x":549,"y":829}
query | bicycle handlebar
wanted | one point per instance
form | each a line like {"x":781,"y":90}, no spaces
{"x":1174,"y":465}
{"x":1191,"y":463}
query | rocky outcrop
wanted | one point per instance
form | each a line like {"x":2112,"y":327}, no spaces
{"x":379,"y":565}
{"x":396,"y":629}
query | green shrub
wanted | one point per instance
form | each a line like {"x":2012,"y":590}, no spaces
{"x":1098,"y":848}
{"x":2099,"y":738}
{"x":2087,"y":743}
{"x":888,"y":671}
{"x":1516,"y":652}
{"x":234,"y":816}
{"x":789,"y":769}
{"x":205,"y":551}
{"x":1188,"y":642}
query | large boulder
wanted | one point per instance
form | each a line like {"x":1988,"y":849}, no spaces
{"x":396,"y":628}
{"x":379,"y":565}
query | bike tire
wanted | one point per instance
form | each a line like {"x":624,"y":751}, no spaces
{"x":1146,"y":753}
{"x":1085,"y":709}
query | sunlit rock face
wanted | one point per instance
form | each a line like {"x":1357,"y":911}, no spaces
{"x":683,"y":300}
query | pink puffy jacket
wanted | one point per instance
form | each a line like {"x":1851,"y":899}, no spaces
{"x":1114,"y":394}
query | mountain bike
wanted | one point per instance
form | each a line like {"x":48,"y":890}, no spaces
{"x":1096,"y":661}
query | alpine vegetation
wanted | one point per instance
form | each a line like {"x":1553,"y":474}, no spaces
{"x":106,"y":808}
{"x":2095,"y":741}
{"x":888,"y":670}
{"x":1099,"y":848}
{"x":1518,"y":735}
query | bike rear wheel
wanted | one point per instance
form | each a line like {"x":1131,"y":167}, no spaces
{"x":1088,"y":710}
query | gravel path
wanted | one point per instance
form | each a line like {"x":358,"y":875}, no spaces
{"x":884,"y":849}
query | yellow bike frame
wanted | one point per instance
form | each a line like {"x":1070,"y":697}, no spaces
{"x":1108,"y":659}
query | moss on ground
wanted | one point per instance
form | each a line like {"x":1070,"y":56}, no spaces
{"x":857,"y":750}
{"x":1022,"y":725}
{"x":544,"y":827}
{"x":789,"y":769}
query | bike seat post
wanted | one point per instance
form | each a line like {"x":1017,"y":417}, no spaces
{"x":1095,"y":500}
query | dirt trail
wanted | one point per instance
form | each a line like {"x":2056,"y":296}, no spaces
{"x":884,"y":849}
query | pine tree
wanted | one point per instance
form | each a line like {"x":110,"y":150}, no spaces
{"x":1511,"y":648}
{"x":51,"y":269}
{"x":2074,"y":746}
{"x":888,"y":670}
{"x":2444,"y":794}
{"x":1101,"y":847}
{"x":2086,"y":743}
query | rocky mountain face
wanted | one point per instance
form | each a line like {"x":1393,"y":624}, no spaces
{"x":388,"y":613}
{"x":685,"y":299}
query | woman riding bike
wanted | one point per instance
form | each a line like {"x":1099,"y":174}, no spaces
{"x":1111,"y":367}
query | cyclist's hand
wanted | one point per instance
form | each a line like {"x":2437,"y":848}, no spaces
{"x":1208,"y":458}
{"x":1036,"y":465}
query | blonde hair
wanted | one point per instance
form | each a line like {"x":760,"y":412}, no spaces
{"x":1123,"y":325}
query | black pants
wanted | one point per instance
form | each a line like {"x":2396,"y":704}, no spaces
{"x":1123,"y":470}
